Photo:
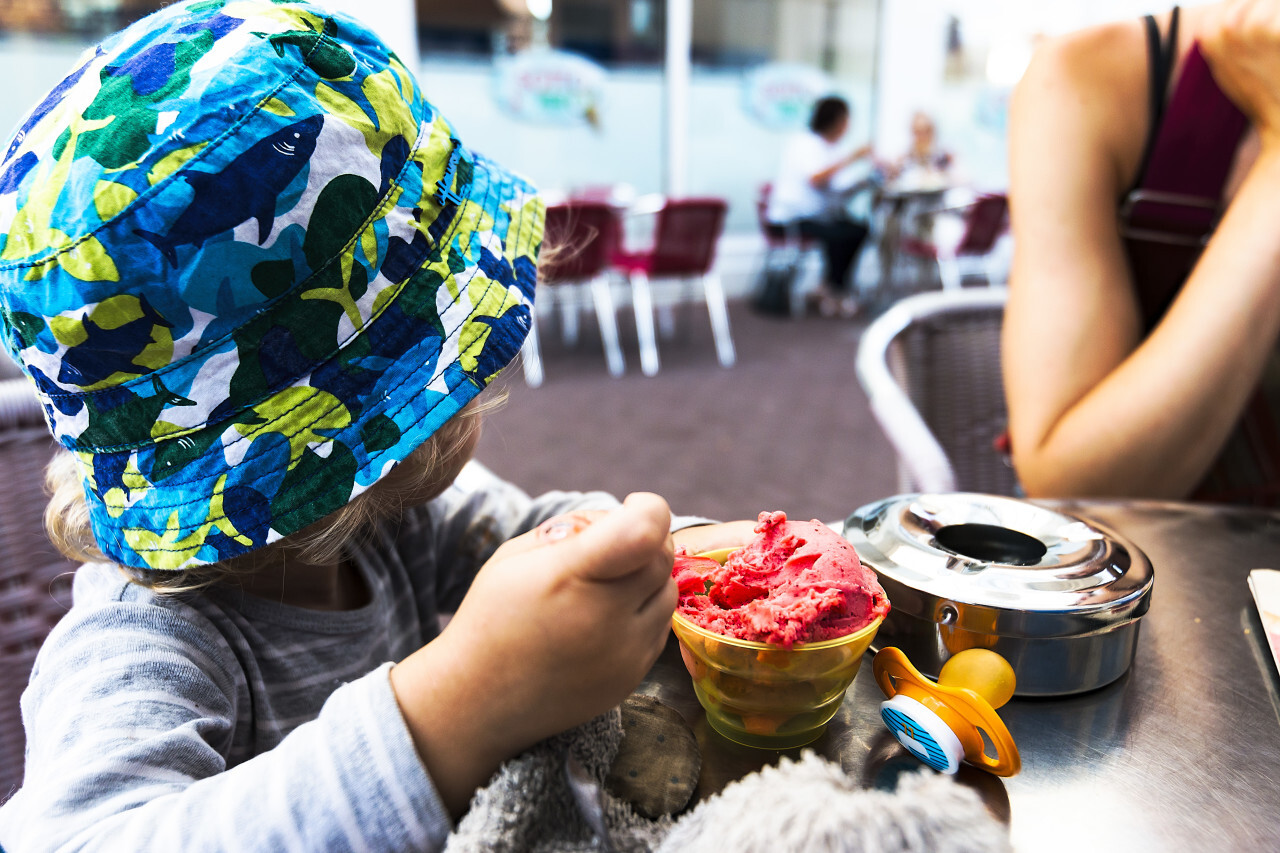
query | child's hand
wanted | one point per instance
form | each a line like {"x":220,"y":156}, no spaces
{"x":582,"y":617}
{"x":551,"y":633}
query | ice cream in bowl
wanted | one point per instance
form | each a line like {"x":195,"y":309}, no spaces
{"x":774,"y":632}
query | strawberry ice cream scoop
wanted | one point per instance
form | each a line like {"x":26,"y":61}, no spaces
{"x":796,"y":582}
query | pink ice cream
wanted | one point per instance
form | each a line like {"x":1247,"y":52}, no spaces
{"x":796,"y":582}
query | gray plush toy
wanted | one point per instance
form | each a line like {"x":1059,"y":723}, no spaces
{"x":813,"y":805}
{"x":554,"y":798}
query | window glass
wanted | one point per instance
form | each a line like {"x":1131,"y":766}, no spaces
{"x":568,"y":92}
{"x":757,"y":66}
{"x":486,"y":63}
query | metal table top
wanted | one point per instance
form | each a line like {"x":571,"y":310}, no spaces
{"x":1181,"y":753}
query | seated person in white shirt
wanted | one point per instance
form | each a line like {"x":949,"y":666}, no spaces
{"x":810,"y":195}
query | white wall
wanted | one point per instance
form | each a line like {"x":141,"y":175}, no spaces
{"x":909,"y":76}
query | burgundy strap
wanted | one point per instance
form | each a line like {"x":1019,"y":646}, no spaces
{"x":1180,"y":192}
{"x":1198,"y":137}
{"x":1169,"y":217}
{"x":1166,"y":222}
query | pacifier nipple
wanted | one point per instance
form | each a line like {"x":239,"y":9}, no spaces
{"x":982,"y":671}
{"x":954,"y":719}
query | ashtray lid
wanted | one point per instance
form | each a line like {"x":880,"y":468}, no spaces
{"x":1015,"y":567}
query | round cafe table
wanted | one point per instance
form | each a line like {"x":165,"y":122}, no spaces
{"x":1182,"y":753}
{"x":904,"y":215}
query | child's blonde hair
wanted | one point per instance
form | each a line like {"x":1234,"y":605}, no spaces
{"x":67,"y":515}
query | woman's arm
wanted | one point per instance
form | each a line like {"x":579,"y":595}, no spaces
{"x":1095,"y":409}
{"x":819,"y":180}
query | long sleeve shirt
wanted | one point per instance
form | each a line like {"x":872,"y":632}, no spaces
{"x":220,"y":721}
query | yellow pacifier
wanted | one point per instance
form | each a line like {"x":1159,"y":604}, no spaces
{"x":943,"y":723}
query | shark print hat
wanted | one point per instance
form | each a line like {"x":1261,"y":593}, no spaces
{"x":249,"y":268}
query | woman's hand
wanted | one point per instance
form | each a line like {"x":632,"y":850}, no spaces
{"x":559,"y":625}
{"x":820,"y":180}
{"x":858,"y":154}
{"x":1241,"y":41}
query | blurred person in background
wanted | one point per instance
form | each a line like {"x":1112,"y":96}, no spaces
{"x":1140,"y":341}
{"x":926,"y":162}
{"x":811,"y":193}
{"x":915,"y":187}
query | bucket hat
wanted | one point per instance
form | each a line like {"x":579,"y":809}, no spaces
{"x":249,"y":268}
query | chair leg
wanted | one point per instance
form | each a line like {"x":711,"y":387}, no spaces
{"x":606,"y":316}
{"x":666,"y":314}
{"x":989,"y":271}
{"x":796,"y":267}
{"x":664,"y":310}
{"x":713,"y":292}
{"x":642,"y":304}
{"x":808,"y":279}
{"x":531,"y":355}
{"x":569,"y":314}
{"x":949,"y":273}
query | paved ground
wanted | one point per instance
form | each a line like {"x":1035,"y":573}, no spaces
{"x":786,"y":428}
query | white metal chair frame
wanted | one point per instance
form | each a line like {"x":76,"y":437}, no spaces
{"x":923,"y":463}
{"x":954,"y":267}
{"x":952,"y":259}
{"x":568,"y":295}
{"x":643,"y":302}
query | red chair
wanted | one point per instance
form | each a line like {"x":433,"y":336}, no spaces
{"x":580,"y":239}
{"x":986,"y":218}
{"x":685,"y":234}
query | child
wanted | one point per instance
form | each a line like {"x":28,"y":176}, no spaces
{"x":258,"y":282}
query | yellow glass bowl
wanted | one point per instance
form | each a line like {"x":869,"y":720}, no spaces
{"x":764,"y":695}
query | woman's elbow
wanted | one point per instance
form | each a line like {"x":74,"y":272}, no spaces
{"x":1041,"y":475}
{"x":1038,"y":482}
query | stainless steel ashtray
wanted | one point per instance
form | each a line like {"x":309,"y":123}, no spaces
{"x":1059,"y":597}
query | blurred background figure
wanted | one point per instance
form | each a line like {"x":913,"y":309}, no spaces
{"x":811,"y":195}
{"x":914,"y":188}
{"x":926,"y":163}
{"x":1140,"y":338}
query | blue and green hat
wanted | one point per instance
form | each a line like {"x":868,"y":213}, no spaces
{"x":249,"y":268}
